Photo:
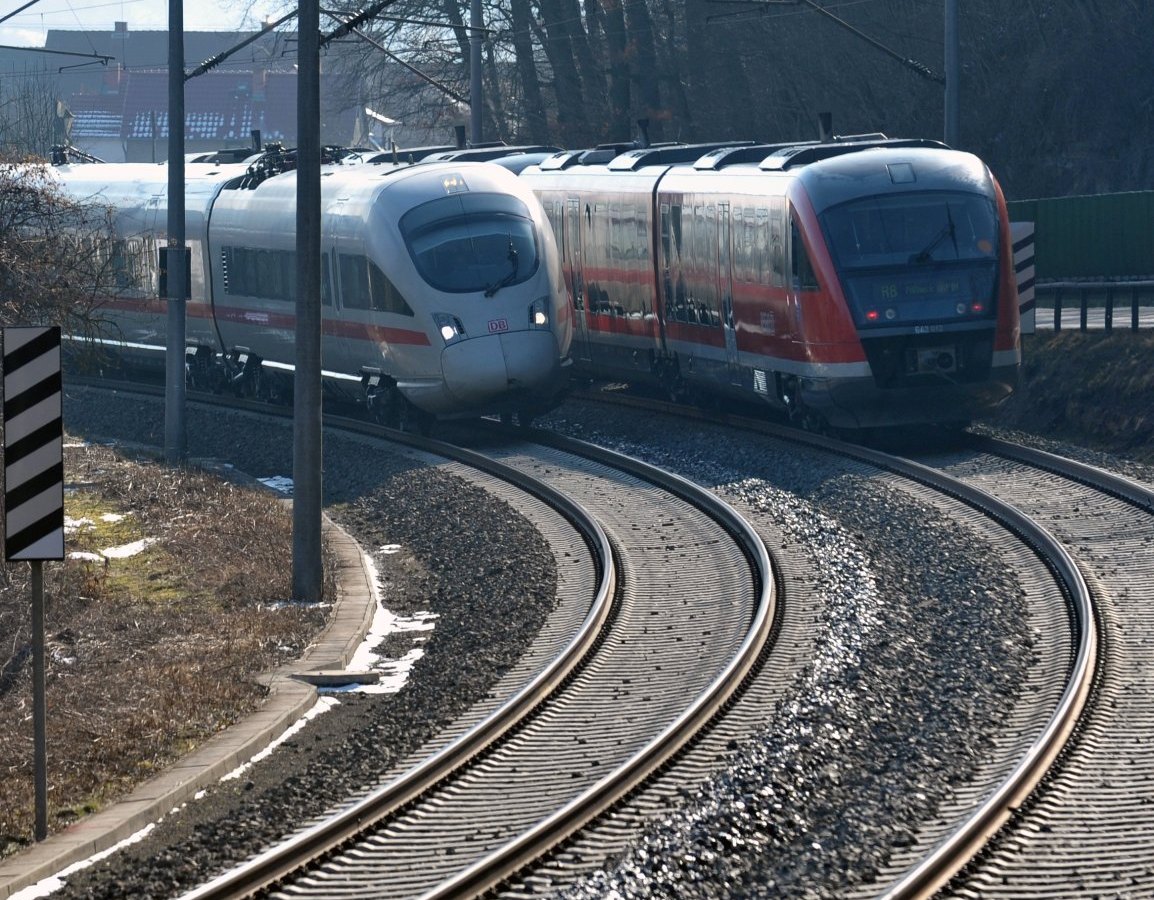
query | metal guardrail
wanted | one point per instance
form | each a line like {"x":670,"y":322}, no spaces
{"x":1096,"y":303}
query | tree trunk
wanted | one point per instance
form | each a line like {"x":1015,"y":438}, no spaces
{"x":532,"y":105}
{"x":643,"y":56}
{"x":572,"y":121}
{"x":619,"y":69}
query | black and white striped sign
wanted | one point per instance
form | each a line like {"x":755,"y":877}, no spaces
{"x":33,"y":445}
{"x":1022,"y":234}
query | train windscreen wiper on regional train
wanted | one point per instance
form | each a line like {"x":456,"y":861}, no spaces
{"x":508,"y":279}
{"x":948,"y":230}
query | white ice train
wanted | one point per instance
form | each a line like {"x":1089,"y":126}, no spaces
{"x":441,"y":288}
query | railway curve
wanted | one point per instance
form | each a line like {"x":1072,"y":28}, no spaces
{"x":920,"y":548}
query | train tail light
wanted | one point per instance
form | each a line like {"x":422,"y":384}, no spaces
{"x":450,"y":328}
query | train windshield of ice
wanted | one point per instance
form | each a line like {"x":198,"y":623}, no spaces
{"x":469,"y":242}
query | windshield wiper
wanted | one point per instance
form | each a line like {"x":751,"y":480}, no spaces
{"x":508,"y":279}
{"x":926,"y":255}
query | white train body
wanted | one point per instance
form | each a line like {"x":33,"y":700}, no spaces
{"x":441,"y":282}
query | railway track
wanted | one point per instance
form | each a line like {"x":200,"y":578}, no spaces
{"x":1087,"y":830}
{"x":1070,"y":816}
{"x":531,"y":852}
{"x":691,"y":574}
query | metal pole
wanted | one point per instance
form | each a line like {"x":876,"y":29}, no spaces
{"x":953,"y":73}
{"x":307,"y":493}
{"x":175,"y":445}
{"x":39,"y":702}
{"x":475,"y":32}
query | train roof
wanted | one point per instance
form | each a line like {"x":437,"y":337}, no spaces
{"x":360,"y":186}
{"x":126,"y":185}
{"x":723,"y":154}
{"x":630,"y":157}
{"x":493,"y":152}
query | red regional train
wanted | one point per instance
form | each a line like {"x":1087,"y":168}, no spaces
{"x":852,"y":283}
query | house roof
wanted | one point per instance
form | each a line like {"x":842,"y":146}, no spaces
{"x":126,"y":95}
{"x":134,"y":50}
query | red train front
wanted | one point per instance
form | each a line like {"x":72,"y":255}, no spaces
{"x":853,"y":283}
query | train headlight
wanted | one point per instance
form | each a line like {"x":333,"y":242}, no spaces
{"x":450,"y":327}
{"x":539,"y":313}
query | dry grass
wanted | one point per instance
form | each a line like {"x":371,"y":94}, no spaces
{"x":149,"y":655}
{"x":1090,"y":388}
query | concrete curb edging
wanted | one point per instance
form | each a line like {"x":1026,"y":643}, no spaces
{"x":288,"y":699}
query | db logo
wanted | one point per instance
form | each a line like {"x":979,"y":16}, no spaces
{"x":496,"y":325}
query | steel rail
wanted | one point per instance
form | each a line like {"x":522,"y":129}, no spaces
{"x":1112,"y":483}
{"x":291,"y":855}
{"x":958,"y":848}
{"x":491,"y":871}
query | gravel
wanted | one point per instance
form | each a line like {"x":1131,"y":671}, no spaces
{"x":923,"y":641}
{"x":499,"y":563}
{"x":924,"y":638}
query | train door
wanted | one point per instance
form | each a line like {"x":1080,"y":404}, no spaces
{"x":803,"y":278}
{"x":725,"y":292}
{"x":575,"y":264}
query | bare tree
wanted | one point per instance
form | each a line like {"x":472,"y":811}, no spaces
{"x":1053,"y":95}
{"x":31,"y":118}
{"x":59,"y":258}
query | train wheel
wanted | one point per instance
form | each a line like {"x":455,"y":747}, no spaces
{"x":405,"y":417}
{"x":530,"y":413}
{"x":676,"y":388}
{"x":280,"y":391}
{"x":202,"y":372}
{"x":383,"y":405}
{"x":415,"y":421}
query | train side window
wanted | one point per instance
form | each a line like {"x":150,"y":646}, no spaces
{"x":126,"y":262}
{"x":679,"y":297}
{"x":355,"y":290}
{"x":558,"y":222}
{"x":665,"y":235}
{"x":572,"y":251}
{"x":196,"y":274}
{"x":642,"y":224}
{"x":804,"y":277}
{"x":386,"y":297}
{"x":269,"y":275}
{"x":776,"y":246}
{"x":326,"y":281}
{"x":234,"y":269}
{"x":251,"y":272}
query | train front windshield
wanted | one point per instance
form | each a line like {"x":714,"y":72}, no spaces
{"x":916,"y":258}
{"x":469,"y":242}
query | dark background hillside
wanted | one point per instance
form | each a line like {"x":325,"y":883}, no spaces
{"x":1055,"y":94}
